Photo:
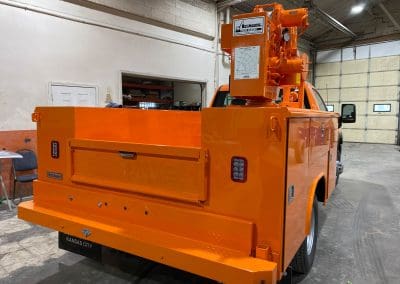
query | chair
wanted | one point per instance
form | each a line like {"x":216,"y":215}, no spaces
{"x":20,"y":166}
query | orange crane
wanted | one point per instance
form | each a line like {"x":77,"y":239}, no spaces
{"x":229,"y":193}
{"x":268,"y":39}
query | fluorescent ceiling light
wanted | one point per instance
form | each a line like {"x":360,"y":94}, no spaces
{"x":357,"y":9}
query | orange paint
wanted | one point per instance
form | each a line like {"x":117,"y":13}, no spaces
{"x":260,"y":35}
{"x":158,"y":184}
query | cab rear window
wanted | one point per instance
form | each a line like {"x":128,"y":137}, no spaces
{"x":319,"y":100}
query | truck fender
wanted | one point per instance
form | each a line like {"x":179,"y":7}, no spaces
{"x":310,"y":201}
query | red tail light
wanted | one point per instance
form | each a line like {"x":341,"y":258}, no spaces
{"x":239,"y":169}
{"x":55,"y":149}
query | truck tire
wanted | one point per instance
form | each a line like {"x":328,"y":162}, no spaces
{"x":304,"y":258}
{"x":339,"y":159}
{"x":337,"y":179}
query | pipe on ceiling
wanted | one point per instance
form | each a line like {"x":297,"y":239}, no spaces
{"x":334,"y":23}
{"x":308,"y":3}
{"x":225,"y":18}
{"x":228,"y":15}
{"x":227,"y":3}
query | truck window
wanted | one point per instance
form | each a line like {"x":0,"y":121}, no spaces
{"x":306,"y":101}
{"x":319,"y":100}
{"x":221,"y":99}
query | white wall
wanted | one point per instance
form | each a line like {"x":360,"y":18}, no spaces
{"x":37,"y":48}
{"x":224,"y":69}
{"x":54,"y":41}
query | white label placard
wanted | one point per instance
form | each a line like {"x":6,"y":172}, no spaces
{"x":247,"y":62}
{"x":248,"y":26}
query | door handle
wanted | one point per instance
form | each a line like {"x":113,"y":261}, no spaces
{"x":128,"y":155}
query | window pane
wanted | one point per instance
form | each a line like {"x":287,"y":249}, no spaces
{"x":320,"y":101}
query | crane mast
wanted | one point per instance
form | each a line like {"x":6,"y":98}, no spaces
{"x":264,"y":55}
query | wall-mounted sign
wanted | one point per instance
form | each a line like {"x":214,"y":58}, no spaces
{"x":382,"y":107}
{"x":330,"y":108}
{"x":248,"y":26}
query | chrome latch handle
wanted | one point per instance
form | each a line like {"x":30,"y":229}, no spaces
{"x":128,"y":155}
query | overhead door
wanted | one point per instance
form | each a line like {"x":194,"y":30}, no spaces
{"x":367,"y":76}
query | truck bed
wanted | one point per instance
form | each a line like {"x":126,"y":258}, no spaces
{"x":158,"y":184}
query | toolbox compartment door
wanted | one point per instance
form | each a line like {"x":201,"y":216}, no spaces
{"x":297,"y":186}
{"x":157,"y":170}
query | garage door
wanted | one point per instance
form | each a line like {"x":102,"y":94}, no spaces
{"x":367,"y":76}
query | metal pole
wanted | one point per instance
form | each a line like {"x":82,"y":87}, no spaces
{"x":398,"y":126}
{"x":3,"y":187}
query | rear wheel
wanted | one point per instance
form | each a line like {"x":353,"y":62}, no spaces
{"x":338,"y":160}
{"x":337,"y":178}
{"x":304,"y":258}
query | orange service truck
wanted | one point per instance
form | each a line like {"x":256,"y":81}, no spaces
{"x":229,"y":193}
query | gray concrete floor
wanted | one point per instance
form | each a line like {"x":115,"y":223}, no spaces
{"x":359,"y":240}
{"x":359,"y":236}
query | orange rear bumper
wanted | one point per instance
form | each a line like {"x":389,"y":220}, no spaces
{"x":218,"y":263}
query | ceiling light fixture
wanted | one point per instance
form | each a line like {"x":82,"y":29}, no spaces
{"x":357,"y":9}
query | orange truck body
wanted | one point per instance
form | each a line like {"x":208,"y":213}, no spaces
{"x":158,"y":184}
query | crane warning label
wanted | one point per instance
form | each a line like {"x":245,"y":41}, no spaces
{"x":248,"y":26}
{"x":247,"y":62}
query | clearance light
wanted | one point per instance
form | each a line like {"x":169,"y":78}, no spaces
{"x":357,"y":9}
{"x":239,"y":169}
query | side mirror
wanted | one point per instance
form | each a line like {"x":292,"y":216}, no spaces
{"x":348,"y":113}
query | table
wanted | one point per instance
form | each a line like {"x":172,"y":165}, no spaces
{"x":7,"y":155}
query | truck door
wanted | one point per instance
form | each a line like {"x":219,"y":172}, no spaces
{"x":320,"y":132}
{"x":326,"y":140}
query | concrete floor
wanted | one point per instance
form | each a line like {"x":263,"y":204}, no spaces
{"x":359,"y":240}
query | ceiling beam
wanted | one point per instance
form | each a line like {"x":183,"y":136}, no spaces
{"x":341,"y":42}
{"x":389,"y":15}
{"x":226,"y":3}
{"x":308,"y":3}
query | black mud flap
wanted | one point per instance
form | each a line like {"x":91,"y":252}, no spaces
{"x":80,"y":246}
{"x":287,"y":277}
{"x":339,"y":167}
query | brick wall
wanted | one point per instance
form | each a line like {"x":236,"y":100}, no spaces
{"x":194,"y":16}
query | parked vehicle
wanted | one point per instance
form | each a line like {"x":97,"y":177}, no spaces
{"x":229,"y":193}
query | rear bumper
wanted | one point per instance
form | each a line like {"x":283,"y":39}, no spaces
{"x":214,"y":262}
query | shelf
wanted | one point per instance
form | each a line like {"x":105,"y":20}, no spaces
{"x":137,"y":100}
{"x":147,"y":87}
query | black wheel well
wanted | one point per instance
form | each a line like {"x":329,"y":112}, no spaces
{"x":320,"y":190}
